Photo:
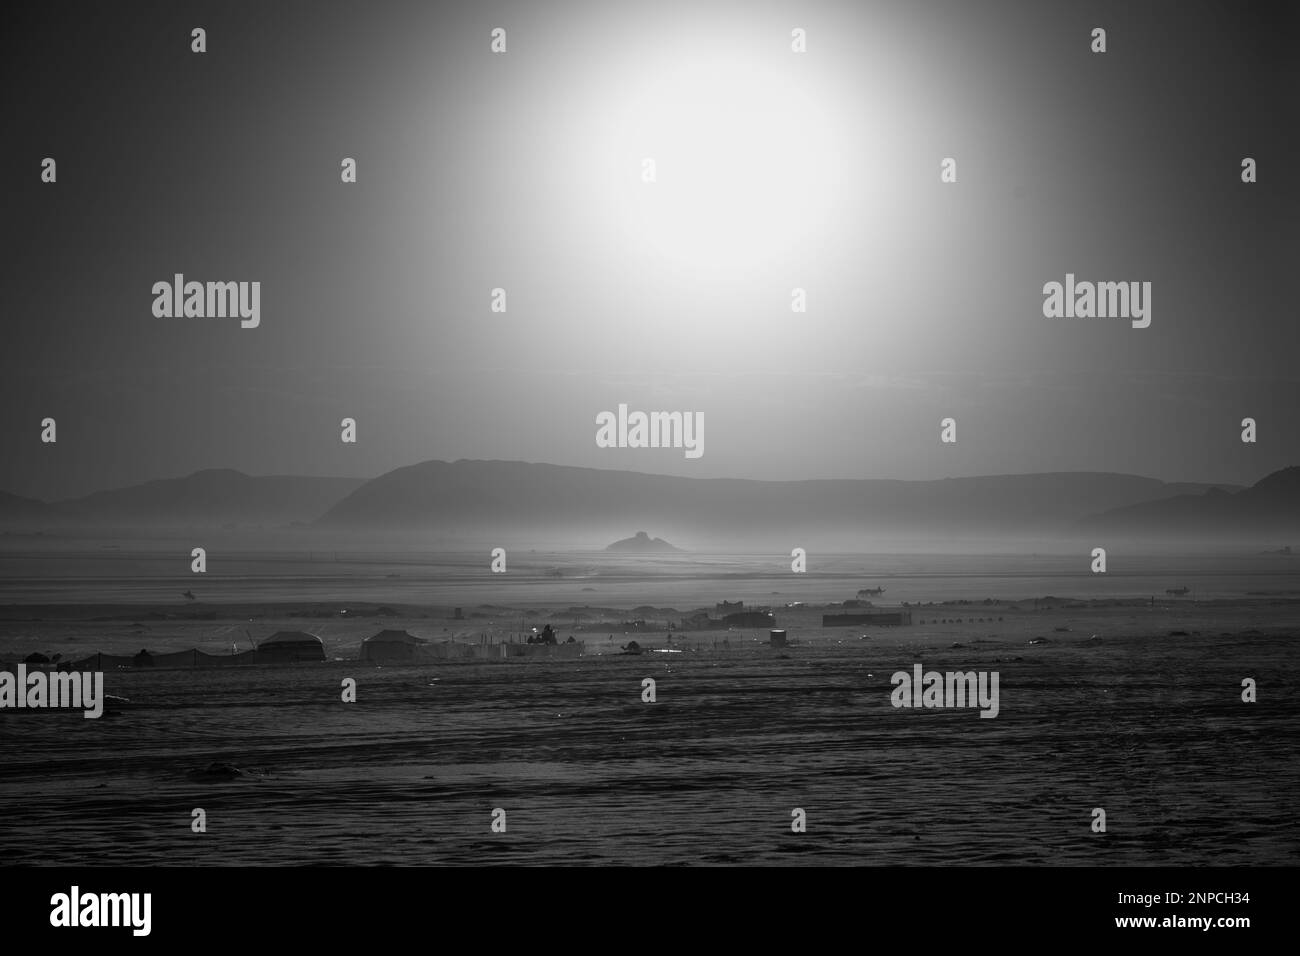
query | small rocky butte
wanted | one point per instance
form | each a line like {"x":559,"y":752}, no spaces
{"x":642,"y":543}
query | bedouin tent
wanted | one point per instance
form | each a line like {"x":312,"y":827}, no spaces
{"x":391,"y":647}
{"x":289,"y":647}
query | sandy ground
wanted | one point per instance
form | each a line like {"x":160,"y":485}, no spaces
{"x":1147,"y":725}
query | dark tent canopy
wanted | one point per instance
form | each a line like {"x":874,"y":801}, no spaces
{"x":291,"y":646}
{"x":391,"y":646}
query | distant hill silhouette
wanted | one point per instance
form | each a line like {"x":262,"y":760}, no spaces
{"x":510,"y":498}
{"x":642,"y":543}
{"x":211,"y":498}
{"x":17,"y":511}
{"x":1269,"y":507}
{"x":579,"y":507}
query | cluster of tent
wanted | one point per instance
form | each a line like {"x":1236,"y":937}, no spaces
{"x":293,"y":647}
{"x":399,"y":647}
{"x":282,"y":647}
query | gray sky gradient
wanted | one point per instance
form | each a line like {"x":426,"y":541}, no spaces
{"x":522,"y":171}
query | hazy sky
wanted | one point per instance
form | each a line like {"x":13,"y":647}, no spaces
{"x":523,"y":171}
